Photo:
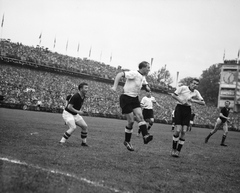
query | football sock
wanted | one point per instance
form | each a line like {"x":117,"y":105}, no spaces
{"x":143,"y":128}
{"x":128,"y":134}
{"x":84,"y":136}
{"x":65,"y":137}
{"x":180,"y":144}
{"x":175,"y":141}
{"x":150,"y":125}
{"x":210,"y":134}
{"x":223,"y":139}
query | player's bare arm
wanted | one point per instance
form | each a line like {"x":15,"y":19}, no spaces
{"x":175,"y":96}
{"x":200,"y":102}
{"x":116,"y":81}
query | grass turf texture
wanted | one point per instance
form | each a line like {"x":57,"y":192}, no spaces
{"x":32,"y":138}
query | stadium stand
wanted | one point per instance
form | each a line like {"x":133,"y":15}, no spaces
{"x":37,"y":77}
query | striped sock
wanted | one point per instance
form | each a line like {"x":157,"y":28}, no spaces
{"x":128,"y":134}
{"x":175,"y":141}
{"x":84,"y":136}
{"x":66,"y":135}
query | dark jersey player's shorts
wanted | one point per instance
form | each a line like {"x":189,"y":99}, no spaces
{"x":128,"y":103}
{"x":182,"y":115}
{"x":147,"y":113}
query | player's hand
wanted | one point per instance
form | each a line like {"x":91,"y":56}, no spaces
{"x":113,"y":89}
{"x":81,"y":113}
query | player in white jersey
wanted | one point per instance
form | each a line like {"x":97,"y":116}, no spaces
{"x":185,"y":96}
{"x":147,"y":106}
{"x":129,"y":101}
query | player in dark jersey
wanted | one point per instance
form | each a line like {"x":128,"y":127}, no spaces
{"x":73,"y":91}
{"x":72,"y":115}
{"x":221,"y":121}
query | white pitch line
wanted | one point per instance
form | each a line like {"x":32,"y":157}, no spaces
{"x":96,"y":184}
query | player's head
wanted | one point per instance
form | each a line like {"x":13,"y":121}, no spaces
{"x":83,"y":87}
{"x":194,"y":83}
{"x":148,"y":93}
{"x":144,"y":68}
{"x":227,"y":104}
{"x":73,"y":90}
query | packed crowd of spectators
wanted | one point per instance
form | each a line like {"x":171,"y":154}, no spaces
{"x":43,"y":56}
{"x":21,"y":85}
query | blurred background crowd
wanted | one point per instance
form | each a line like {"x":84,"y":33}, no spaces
{"x":23,"y":85}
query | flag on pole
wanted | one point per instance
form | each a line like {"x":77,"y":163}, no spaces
{"x":54,"y":44}
{"x":238,"y":55}
{"x":40,"y":38}
{"x":2,"y":20}
{"x":111,"y":58}
{"x":78,"y":47}
{"x":90,"y":51}
{"x":177,"y":79}
{"x":67,"y":45}
{"x":151,"y":62}
{"x":224,"y":55}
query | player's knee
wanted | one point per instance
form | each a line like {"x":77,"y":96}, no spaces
{"x":225,"y":132}
{"x":130,"y":124}
{"x":84,"y":128}
{"x":139,"y":118}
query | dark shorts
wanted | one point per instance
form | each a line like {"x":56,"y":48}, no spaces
{"x":182,"y":115}
{"x":173,"y":119}
{"x":128,"y":103}
{"x":147,"y":113}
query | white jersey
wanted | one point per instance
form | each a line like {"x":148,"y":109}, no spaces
{"x":134,"y":83}
{"x":185,"y":94}
{"x":147,"y":103}
{"x":173,"y":113}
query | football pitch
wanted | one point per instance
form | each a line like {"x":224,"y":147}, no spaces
{"x":31,"y":160}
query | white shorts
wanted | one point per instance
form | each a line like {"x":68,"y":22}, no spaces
{"x":191,"y":122}
{"x":71,"y":120}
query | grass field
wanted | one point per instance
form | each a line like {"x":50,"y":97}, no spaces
{"x":31,"y":160}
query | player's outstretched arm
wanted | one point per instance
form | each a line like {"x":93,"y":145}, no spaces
{"x":116,"y":81}
{"x":200,"y":102}
{"x":176,"y":97}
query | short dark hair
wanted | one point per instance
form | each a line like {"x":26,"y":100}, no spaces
{"x":228,"y":102}
{"x":143,"y":64}
{"x":81,"y":85}
{"x":195,"y":79}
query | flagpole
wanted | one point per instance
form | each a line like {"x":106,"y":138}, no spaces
{"x":54,"y":43}
{"x":2,"y":27}
{"x":224,"y":56}
{"x":90,"y":51}
{"x":78,"y":50}
{"x":238,"y":55}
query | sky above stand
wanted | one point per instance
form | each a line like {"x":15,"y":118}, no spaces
{"x":188,"y":36}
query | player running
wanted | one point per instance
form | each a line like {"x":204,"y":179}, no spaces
{"x":184,"y":96}
{"x":221,"y":121}
{"x":72,"y":115}
{"x":147,"y":106}
{"x":129,"y":101}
